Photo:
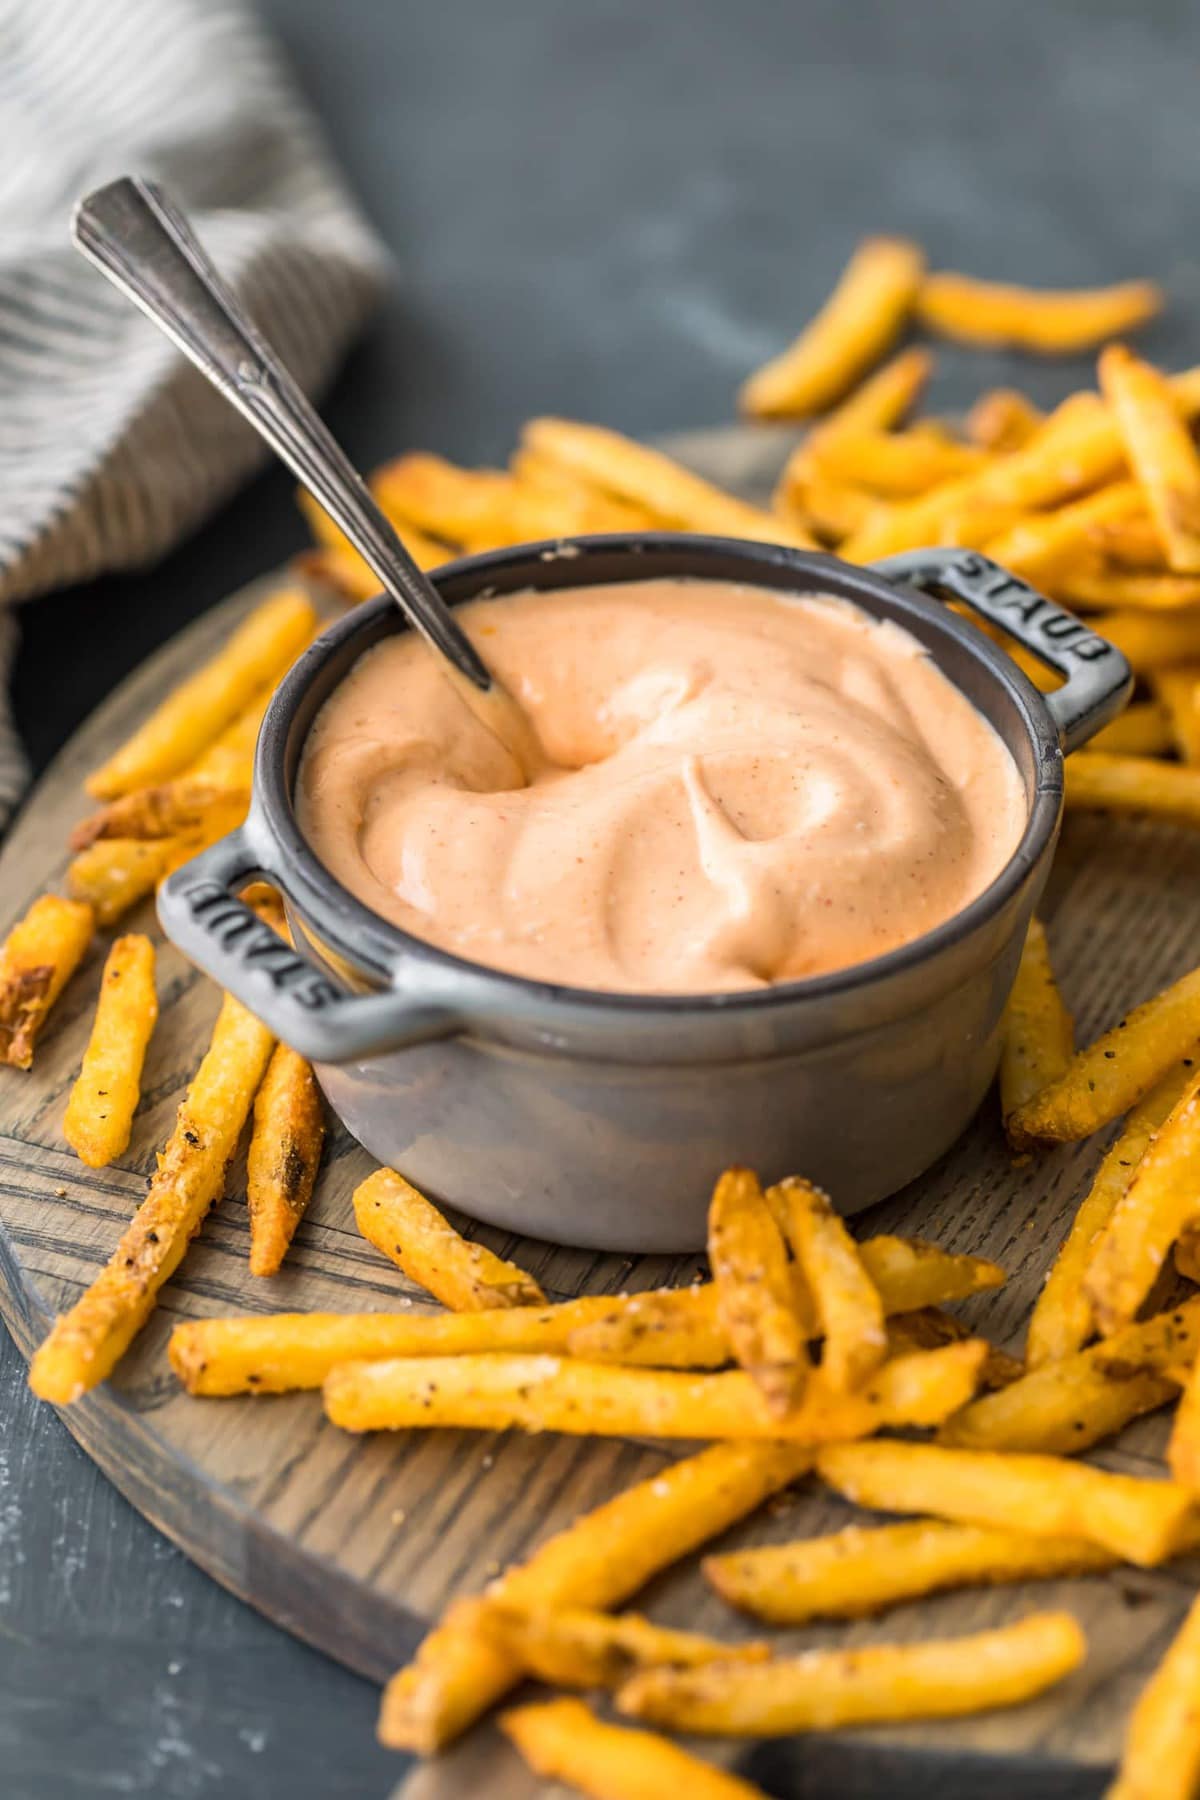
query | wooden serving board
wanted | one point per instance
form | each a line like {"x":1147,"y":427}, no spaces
{"x":356,"y":1543}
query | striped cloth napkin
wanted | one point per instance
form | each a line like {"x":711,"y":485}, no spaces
{"x":111,"y":445}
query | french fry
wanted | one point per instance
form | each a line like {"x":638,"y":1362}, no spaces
{"x":257,"y":653}
{"x":830,"y":508}
{"x":911,"y":1273}
{"x":563,"y":1740}
{"x":755,"y":1305}
{"x":1062,"y":1320}
{"x":647,"y":478}
{"x":667,"y":1328}
{"x":1103,"y":590}
{"x":343,"y":573}
{"x":882,"y":401}
{"x":1141,"y":730}
{"x":866,"y":1569}
{"x":1038,"y":1031}
{"x":1178,"y":691}
{"x":930,"y":1328}
{"x":283,"y":1158}
{"x":822,"y":1690}
{"x":495,"y":1392}
{"x":428,"y":552}
{"x":1161,"y":1756}
{"x":1128,"y":544}
{"x":1065,"y":1406}
{"x":1079,"y":447}
{"x":1183,"y":1451}
{"x":421,"y":1241}
{"x":1139,"y":1521}
{"x":85,"y":1344}
{"x":597,"y":1562}
{"x":1098,"y":782}
{"x":1042,"y":544}
{"x":576,"y":1648}
{"x":37,"y":959}
{"x":1162,"y":1197}
{"x":228,"y":762}
{"x":1160,"y":450}
{"x":423,"y":490}
{"x":597,"y":510}
{"x":858,"y":323}
{"x":1113,"y":1074}
{"x":1153,"y":640}
{"x":99,"y":1118}
{"x":173,"y":809}
{"x":848,"y":1305}
{"x":1002,"y":420}
{"x":894,"y":465}
{"x":113,"y":874}
{"x":1052,"y":322}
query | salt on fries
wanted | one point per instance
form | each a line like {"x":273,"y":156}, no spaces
{"x":283,"y":1158}
{"x":37,"y":959}
{"x":99,"y":1118}
{"x":421,"y":1241}
{"x":563,"y":1740}
{"x":597,"y":1562}
{"x":1038,"y":1031}
{"x":866,"y":1569}
{"x":1137,"y":1520}
{"x":824,"y":1689}
{"x":1049,"y":321}
{"x":756,"y":1307}
{"x":862,"y":318}
{"x":181,"y":728}
{"x":848,"y":1306}
{"x":86,"y":1343}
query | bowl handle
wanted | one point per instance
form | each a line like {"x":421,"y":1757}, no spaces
{"x":1098,"y":679}
{"x":200,"y":912}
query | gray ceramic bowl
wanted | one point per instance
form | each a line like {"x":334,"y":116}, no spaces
{"x":602,"y":1119}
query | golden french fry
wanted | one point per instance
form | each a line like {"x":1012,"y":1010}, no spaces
{"x":1003,"y":420}
{"x":37,"y":959}
{"x":756,"y":1307}
{"x":1128,"y":544}
{"x":1065,"y":1406}
{"x":577,"y":1648}
{"x":667,"y":1328}
{"x":1139,"y":1521}
{"x":348,"y":566}
{"x":177,"y":731}
{"x":1043,"y":544}
{"x":1183,"y":1451}
{"x":1153,"y":640}
{"x":1114,"y":1073}
{"x":99,"y":1116}
{"x":1160,"y":450}
{"x":1079,"y":447}
{"x":173,"y":809}
{"x":894,"y":465}
{"x":1039,"y":1033}
{"x":866,"y":1569}
{"x":424,"y":490}
{"x":604,"y":511}
{"x":1053,"y":322}
{"x":858,"y":323}
{"x":1178,"y":692}
{"x":597,"y":1562}
{"x":848,"y":1305}
{"x":113,"y":874}
{"x":85,"y":1344}
{"x":911,"y":1273}
{"x":228,"y":763}
{"x":825,"y":1689}
{"x":829,"y":508}
{"x":1103,"y":590}
{"x":881,"y":401}
{"x":495,"y":1392}
{"x":1099,"y":782}
{"x":284,"y":1154}
{"x":1062,"y":1320}
{"x":1162,"y":1197}
{"x":421,"y":1241}
{"x":563,"y":1740}
{"x":930,"y":1328}
{"x":1161,"y":1756}
{"x":1141,"y":730}
{"x":346,"y":576}
{"x":646,"y":477}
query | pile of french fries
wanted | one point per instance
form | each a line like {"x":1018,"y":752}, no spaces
{"x":806,"y":1347}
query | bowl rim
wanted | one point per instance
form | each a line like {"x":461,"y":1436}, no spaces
{"x":373,"y":944}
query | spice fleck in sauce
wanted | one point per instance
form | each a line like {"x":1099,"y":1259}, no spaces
{"x":739,"y":788}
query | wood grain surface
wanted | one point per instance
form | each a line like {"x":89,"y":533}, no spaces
{"x":354,"y":1544}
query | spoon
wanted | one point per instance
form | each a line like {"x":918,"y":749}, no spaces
{"x":146,"y":247}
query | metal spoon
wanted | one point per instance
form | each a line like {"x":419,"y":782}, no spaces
{"x":146,"y":247}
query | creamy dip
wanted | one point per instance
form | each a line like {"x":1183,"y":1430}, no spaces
{"x":739,"y":787}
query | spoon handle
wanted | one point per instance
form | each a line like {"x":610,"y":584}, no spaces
{"x":147,"y":249}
